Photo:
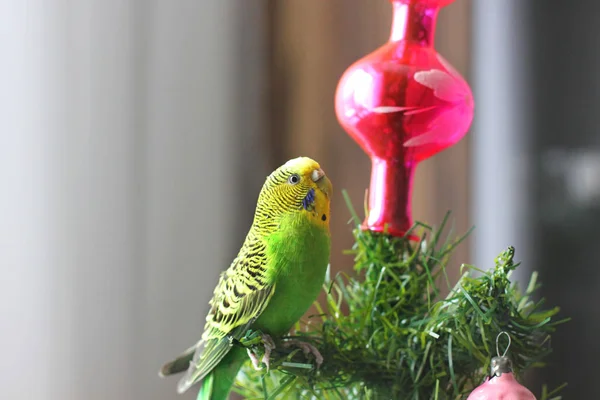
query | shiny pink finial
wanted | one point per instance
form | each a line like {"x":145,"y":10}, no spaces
{"x":402,"y":103}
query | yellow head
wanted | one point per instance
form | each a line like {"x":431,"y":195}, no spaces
{"x":298,"y":186}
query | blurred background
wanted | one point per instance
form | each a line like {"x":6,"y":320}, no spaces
{"x":135,"y":136}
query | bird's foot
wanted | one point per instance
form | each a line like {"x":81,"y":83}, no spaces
{"x":254,"y":359}
{"x":269,"y":346}
{"x":307,"y":348}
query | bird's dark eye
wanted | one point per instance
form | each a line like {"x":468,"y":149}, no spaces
{"x":294,"y":179}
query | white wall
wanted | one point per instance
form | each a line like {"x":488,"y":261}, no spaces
{"x":116,"y":190}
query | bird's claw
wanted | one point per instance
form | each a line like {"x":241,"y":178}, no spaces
{"x":306,"y":348}
{"x":269,"y":346}
{"x":255,"y":362}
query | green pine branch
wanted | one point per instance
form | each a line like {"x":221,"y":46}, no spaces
{"x":385,"y":333}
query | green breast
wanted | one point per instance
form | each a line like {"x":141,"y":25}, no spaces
{"x":298,"y":255}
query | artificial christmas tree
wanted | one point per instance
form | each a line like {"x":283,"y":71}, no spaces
{"x":385,"y":331}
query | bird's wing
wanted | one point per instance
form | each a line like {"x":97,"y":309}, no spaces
{"x":240,"y":297}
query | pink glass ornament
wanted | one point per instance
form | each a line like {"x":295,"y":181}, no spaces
{"x":503,"y":387}
{"x":402,"y":103}
{"x":501,"y":384}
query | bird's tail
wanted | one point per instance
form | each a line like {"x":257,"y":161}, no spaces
{"x":179,"y":364}
{"x":217,"y":384}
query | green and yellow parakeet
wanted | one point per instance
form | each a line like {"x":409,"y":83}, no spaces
{"x":272,"y":282}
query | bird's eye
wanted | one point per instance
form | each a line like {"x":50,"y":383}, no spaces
{"x":294,"y":179}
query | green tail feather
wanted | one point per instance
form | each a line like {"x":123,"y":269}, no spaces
{"x":207,"y":388}
{"x":217,"y":384}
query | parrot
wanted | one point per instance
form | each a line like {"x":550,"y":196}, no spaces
{"x":269,"y":285}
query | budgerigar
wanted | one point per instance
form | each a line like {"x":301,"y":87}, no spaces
{"x":272,"y":282}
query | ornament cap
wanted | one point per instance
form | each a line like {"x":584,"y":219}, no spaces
{"x":500,"y":365}
{"x":426,"y":3}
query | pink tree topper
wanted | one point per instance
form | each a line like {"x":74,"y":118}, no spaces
{"x":402,"y":103}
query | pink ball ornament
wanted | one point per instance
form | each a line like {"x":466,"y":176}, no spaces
{"x":501,"y":385}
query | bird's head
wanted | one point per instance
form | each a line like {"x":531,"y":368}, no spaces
{"x":299,"y":185}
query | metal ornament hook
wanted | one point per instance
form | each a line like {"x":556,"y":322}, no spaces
{"x":498,"y":347}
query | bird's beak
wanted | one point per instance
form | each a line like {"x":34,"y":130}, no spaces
{"x":323,"y":183}
{"x":317,"y":174}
